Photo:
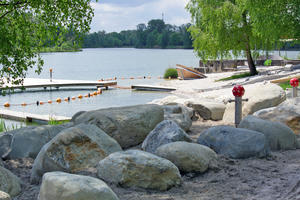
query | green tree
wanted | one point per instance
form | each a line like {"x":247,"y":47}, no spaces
{"x":240,"y":26}
{"x":25,"y":26}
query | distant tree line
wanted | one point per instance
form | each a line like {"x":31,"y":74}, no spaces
{"x":156,"y":34}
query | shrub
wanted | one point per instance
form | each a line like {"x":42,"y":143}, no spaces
{"x":171,"y":72}
{"x":268,"y":62}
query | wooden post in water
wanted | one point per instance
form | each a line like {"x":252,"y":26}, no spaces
{"x":51,"y":70}
{"x":294,"y":83}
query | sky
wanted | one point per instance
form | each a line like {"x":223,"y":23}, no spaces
{"x":118,"y":15}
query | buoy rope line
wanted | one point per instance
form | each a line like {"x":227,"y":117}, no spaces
{"x":128,"y":78}
{"x":58,"y":100}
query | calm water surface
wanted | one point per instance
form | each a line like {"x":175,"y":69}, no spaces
{"x":95,"y":64}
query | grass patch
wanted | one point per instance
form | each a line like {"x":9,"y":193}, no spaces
{"x":237,"y":76}
{"x":54,"y":122}
{"x":285,"y":85}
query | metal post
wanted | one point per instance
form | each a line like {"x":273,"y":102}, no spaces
{"x":295,"y":92}
{"x":238,"y":111}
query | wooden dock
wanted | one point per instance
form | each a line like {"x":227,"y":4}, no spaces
{"x":57,"y":83}
{"x":152,"y":88}
{"x":29,"y":117}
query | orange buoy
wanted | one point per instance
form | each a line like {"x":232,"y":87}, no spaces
{"x":23,"y":104}
{"x":99,"y":91}
{"x":66,"y":99}
{"x":91,"y":94}
{"x":49,"y":101}
{"x":149,"y":77}
{"x":131,"y":77}
{"x":58,"y":100}
{"x":115,"y":78}
{"x":87,"y":95}
{"x":80,"y":96}
{"x":95,"y":93}
{"x":6,"y":104}
{"x":41,"y":102}
{"x":73,"y":98}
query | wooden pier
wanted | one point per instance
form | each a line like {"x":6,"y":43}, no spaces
{"x":29,"y":117}
{"x":56,"y":83}
{"x":152,"y":88}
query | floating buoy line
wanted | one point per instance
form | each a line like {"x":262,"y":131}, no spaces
{"x":58,"y":100}
{"x":92,"y":94}
{"x":129,"y":78}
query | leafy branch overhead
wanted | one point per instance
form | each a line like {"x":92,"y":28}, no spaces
{"x":222,"y":27}
{"x":26,"y":25}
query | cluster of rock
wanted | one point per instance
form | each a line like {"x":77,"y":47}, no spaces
{"x":101,"y":139}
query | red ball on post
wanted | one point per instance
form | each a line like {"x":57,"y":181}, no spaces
{"x":294,"y":82}
{"x":238,"y":91}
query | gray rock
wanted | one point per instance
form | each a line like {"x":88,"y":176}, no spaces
{"x":165,"y":132}
{"x":63,"y":186}
{"x":235,"y":142}
{"x":1,"y":163}
{"x":188,"y":157}
{"x":73,"y":150}
{"x":4,"y":196}
{"x":208,"y":109}
{"x":287,"y":113}
{"x":28,"y":141}
{"x":128,"y":125}
{"x":9,"y":183}
{"x":135,"y":168}
{"x":278,"y":135}
{"x":5,"y":141}
{"x":180,"y":114}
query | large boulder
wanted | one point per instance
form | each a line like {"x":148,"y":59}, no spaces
{"x":28,"y":141}
{"x":180,"y":114}
{"x":208,"y":109}
{"x":278,"y":135}
{"x":64,"y":186}
{"x":4,"y":196}
{"x":259,"y":96}
{"x":188,"y":157}
{"x":135,"y":168}
{"x":235,"y":142}
{"x":74,"y":149}
{"x":165,"y":132}
{"x":128,"y":125}
{"x":287,"y":112}
{"x":9,"y":183}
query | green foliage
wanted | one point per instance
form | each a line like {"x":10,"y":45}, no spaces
{"x":285,"y":85}
{"x":222,"y":27}
{"x":237,"y":76}
{"x":55,"y":122}
{"x":268,"y":62}
{"x":27,"y":26}
{"x":5,"y":128}
{"x":171,"y":72}
{"x":156,"y":34}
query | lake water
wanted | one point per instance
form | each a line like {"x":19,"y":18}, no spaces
{"x":95,"y":64}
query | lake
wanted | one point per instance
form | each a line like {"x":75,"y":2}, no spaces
{"x":96,"y":64}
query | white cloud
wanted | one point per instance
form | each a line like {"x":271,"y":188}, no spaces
{"x":116,"y":17}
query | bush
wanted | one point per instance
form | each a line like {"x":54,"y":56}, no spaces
{"x":268,"y":62}
{"x":171,"y":72}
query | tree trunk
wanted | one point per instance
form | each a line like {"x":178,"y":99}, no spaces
{"x":251,"y":64}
